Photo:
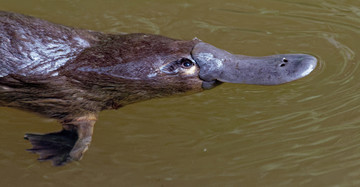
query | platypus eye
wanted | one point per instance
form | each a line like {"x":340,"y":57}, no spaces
{"x":186,"y":63}
{"x":175,"y":67}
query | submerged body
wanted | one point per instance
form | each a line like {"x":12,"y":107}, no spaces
{"x":72,"y":74}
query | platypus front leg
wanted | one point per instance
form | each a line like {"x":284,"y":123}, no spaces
{"x":66,"y":145}
{"x":84,"y":126}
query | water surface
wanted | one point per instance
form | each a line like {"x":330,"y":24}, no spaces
{"x":305,"y":133}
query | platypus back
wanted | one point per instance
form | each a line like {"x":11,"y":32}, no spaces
{"x":31,"y":46}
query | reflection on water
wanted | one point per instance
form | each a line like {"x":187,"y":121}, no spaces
{"x":303,"y":133}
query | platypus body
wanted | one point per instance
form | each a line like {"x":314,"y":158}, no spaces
{"x":72,"y":74}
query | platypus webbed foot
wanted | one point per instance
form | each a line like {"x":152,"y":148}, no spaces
{"x":53,"y":146}
{"x":67,"y":145}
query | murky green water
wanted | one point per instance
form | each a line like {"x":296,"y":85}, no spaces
{"x":306,"y":133}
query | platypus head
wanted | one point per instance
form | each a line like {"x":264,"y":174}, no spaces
{"x":159,"y":66}
{"x":194,"y":65}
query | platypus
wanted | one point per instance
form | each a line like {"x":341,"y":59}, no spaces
{"x":72,"y":74}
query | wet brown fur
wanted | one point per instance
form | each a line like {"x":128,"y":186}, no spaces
{"x":102,"y":71}
{"x":74,"y":92}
